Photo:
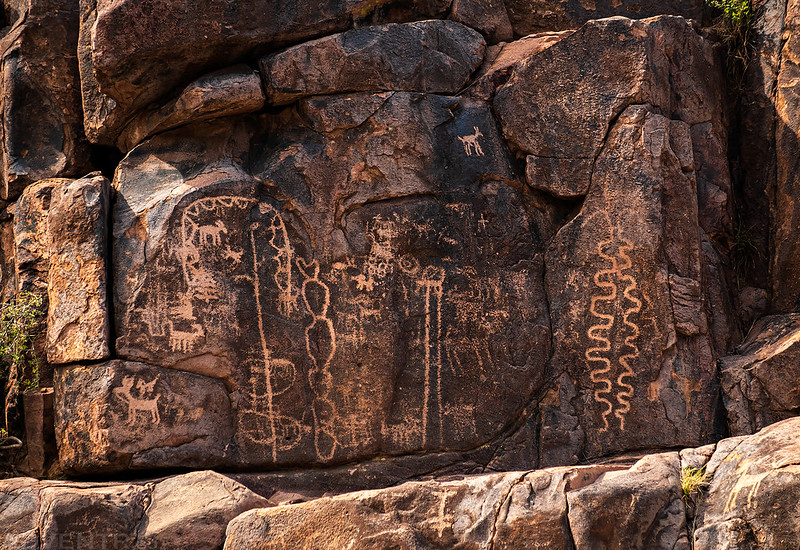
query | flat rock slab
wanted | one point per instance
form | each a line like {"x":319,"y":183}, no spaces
{"x":187,"y":511}
{"x":120,"y":415}
{"x":753,"y":496}
{"x":379,"y":293}
{"x":428,"y":56}
{"x":760,"y":382}
{"x":78,"y":323}
{"x":541,"y":509}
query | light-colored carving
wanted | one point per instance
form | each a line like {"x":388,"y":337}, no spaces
{"x":745,"y":483}
{"x":432,"y":284}
{"x":198,"y":232}
{"x":184,"y":341}
{"x":608,"y":280}
{"x":144,"y":401}
{"x":321,"y":347}
{"x":212,"y":234}
{"x":472,"y":143}
{"x":380,"y":262}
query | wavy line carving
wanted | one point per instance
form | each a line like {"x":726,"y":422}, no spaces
{"x":606,"y":308}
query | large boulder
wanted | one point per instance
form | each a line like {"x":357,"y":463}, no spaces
{"x":636,"y":289}
{"x":365,"y":280}
{"x":133,"y":53}
{"x":753,"y":495}
{"x":760,"y":382}
{"x":41,"y":106}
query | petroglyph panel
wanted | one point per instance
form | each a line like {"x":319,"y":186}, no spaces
{"x":352,"y":305}
{"x":628,"y":375}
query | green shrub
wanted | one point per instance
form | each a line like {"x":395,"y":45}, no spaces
{"x":735,"y":28}
{"x":19,"y":320}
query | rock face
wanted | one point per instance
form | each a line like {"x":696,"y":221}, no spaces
{"x":41,"y":114}
{"x":370,"y":274}
{"x":78,"y":326}
{"x":358,"y":244}
{"x":133,"y":54}
{"x":188,"y":511}
{"x":640,"y":507}
{"x":760,"y":383}
{"x":437,"y":57}
{"x":626,"y":278}
{"x":422,"y":289}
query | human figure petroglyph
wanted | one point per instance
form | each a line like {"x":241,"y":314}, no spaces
{"x":184,"y":341}
{"x":471,"y":143}
{"x":145,"y":401}
{"x":321,"y":347}
{"x":609,"y":280}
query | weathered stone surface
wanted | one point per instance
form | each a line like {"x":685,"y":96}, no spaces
{"x":369,"y":298}
{"x":41,"y":107}
{"x":8,"y":270}
{"x":634,"y":361}
{"x":501,"y":59}
{"x":429,"y":56}
{"x":187,"y":511}
{"x":532,"y":16}
{"x":489,"y":17}
{"x":753,"y":496}
{"x":760,"y":382}
{"x":639,"y":306}
{"x":122,"y":414}
{"x":232,"y":91}
{"x":193,"y":510}
{"x":785,"y":268}
{"x":78,"y":517}
{"x":132,"y":54}
{"x":563,"y":125}
{"x":19,"y":504}
{"x":78,"y":325}
{"x":598,"y":506}
{"x":638,"y":508}
{"x":31,"y":236}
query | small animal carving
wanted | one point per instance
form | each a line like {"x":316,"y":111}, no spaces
{"x":212,"y":234}
{"x":145,"y":401}
{"x":180,"y":340}
{"x":471,"y":143}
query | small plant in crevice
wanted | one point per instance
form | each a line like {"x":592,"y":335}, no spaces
{"x":746,"y":253}
{"x":734,"y":25}
{"x":694,"y":482}
{"x":20,"y":318}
